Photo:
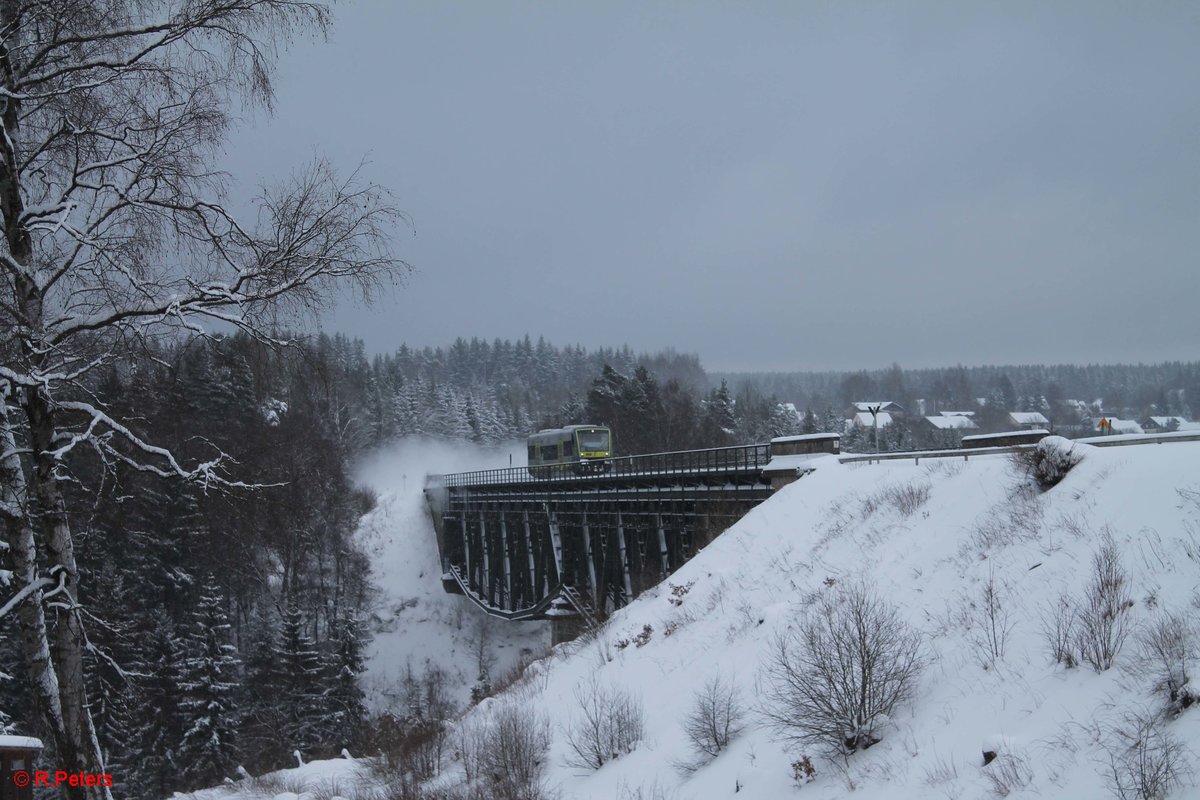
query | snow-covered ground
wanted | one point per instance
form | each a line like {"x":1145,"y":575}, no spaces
{"x":415,"y":623}
{"x":929,"y":538}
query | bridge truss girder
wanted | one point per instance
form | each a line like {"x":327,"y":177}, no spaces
{"x":516,"y":550}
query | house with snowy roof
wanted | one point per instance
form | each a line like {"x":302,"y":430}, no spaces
{"x":1115,"y":425}
{"x":1159,"y":424}
{"x":951,"y":422}
{"x":1027,"y":420}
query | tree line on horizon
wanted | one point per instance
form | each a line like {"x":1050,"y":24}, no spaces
{"x":500,"y":391}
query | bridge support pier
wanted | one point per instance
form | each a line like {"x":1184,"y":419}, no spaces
{"x":624,"y":559}
{"x":663,"y":553}
{"x":508,"y":595}
{"x":591,"y":563}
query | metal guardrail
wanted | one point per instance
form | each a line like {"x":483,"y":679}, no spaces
{"x":740,"y":458}
{"x":1123,"y":439}
{"x":964,"y":453}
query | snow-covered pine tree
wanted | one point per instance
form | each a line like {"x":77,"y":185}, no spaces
{"x":151,"y":768}
{"x":300,"y":684}
{"x":344,"y":664}
{"x":573,"y":411}
{"x":208,"y":708}
{"x":718,"y":421}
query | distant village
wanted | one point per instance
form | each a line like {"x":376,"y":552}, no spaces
{"x":886,"y":425}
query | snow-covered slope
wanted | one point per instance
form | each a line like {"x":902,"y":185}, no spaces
{"x":928,"y":538}
{"x":847,"y":523}
{"x":415,"y":623}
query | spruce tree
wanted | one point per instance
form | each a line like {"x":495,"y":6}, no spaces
{"x":155,"y":720}
{"x":211,"y":673}
{"x":300,"y":683}
{"x":345,"y":702}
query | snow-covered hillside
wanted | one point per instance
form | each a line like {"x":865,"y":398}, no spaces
{"x":928,"y":539}
{"x":415,"y":623}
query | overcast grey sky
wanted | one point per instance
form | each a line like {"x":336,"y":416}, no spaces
{"x":792,"y":185}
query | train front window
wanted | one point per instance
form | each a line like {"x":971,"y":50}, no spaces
{"x":593,"y":441}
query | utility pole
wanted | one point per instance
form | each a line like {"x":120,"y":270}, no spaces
{"x":875,"y":409}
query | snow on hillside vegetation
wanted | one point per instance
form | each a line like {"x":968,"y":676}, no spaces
{"x":415,"y":623}
{"x":928,"y":540}
{"x":936,"y":545}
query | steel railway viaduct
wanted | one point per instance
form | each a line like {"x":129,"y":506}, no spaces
{"x":572,"y":548}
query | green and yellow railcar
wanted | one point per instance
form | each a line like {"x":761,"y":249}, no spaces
{"x":578,"y":449}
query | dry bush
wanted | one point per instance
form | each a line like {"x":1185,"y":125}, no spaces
{"x":412,"y":743}
{"x":1103,"y":620}
{"x":907,"y":498}
{"x":1166,"y":650}
{"x":513,"y":757}
{"x":1019,"y":517}
{"x":1145,"y":760}
{"x":803,"y":770}
{"x":716,"y":718}
{"x":1007,"y":773}
{"x":610,"y":724}
{"x":651,"y":791}
{"x":330,"y":789}
{"x":470,"y":739}
{"x":409,"y":749}
{"x":834,"y":680}
{"x":941,"y":771}
{"x":1058,"y":626}
{"x":943,"y":468}
{"x":1047,"y":462}
{"x":990,"y":625}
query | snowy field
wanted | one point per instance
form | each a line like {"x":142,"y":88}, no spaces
{"x":415,"y":624}
{"x":928,"y":539}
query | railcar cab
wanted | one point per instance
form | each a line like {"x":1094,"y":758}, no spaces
{"x":579,"y":449}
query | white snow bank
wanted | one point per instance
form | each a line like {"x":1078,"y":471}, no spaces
{"x":416,"y":625}
{"x":932,"y":558}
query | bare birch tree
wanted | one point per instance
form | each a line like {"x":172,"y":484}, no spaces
{"x":114,"y":233}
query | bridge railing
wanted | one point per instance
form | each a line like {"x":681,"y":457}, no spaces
{"x":740,"y":458}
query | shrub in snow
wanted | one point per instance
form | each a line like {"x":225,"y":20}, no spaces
{"x":716,"y":718}
{"x":833,"y":681}
{"x":1047,"y":462}
{"x":1166,"y":649}
{"x":1145,"y":760}
{"x":1058,"y":626}
{"x":515,"y":740}
{"x":905,"y":498}
{"x":1008,"y":772}
{"x":609,"y":724}
{"x":1103,"y":622}
{"x":990,"y":625}
{"x":803,"y":770}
